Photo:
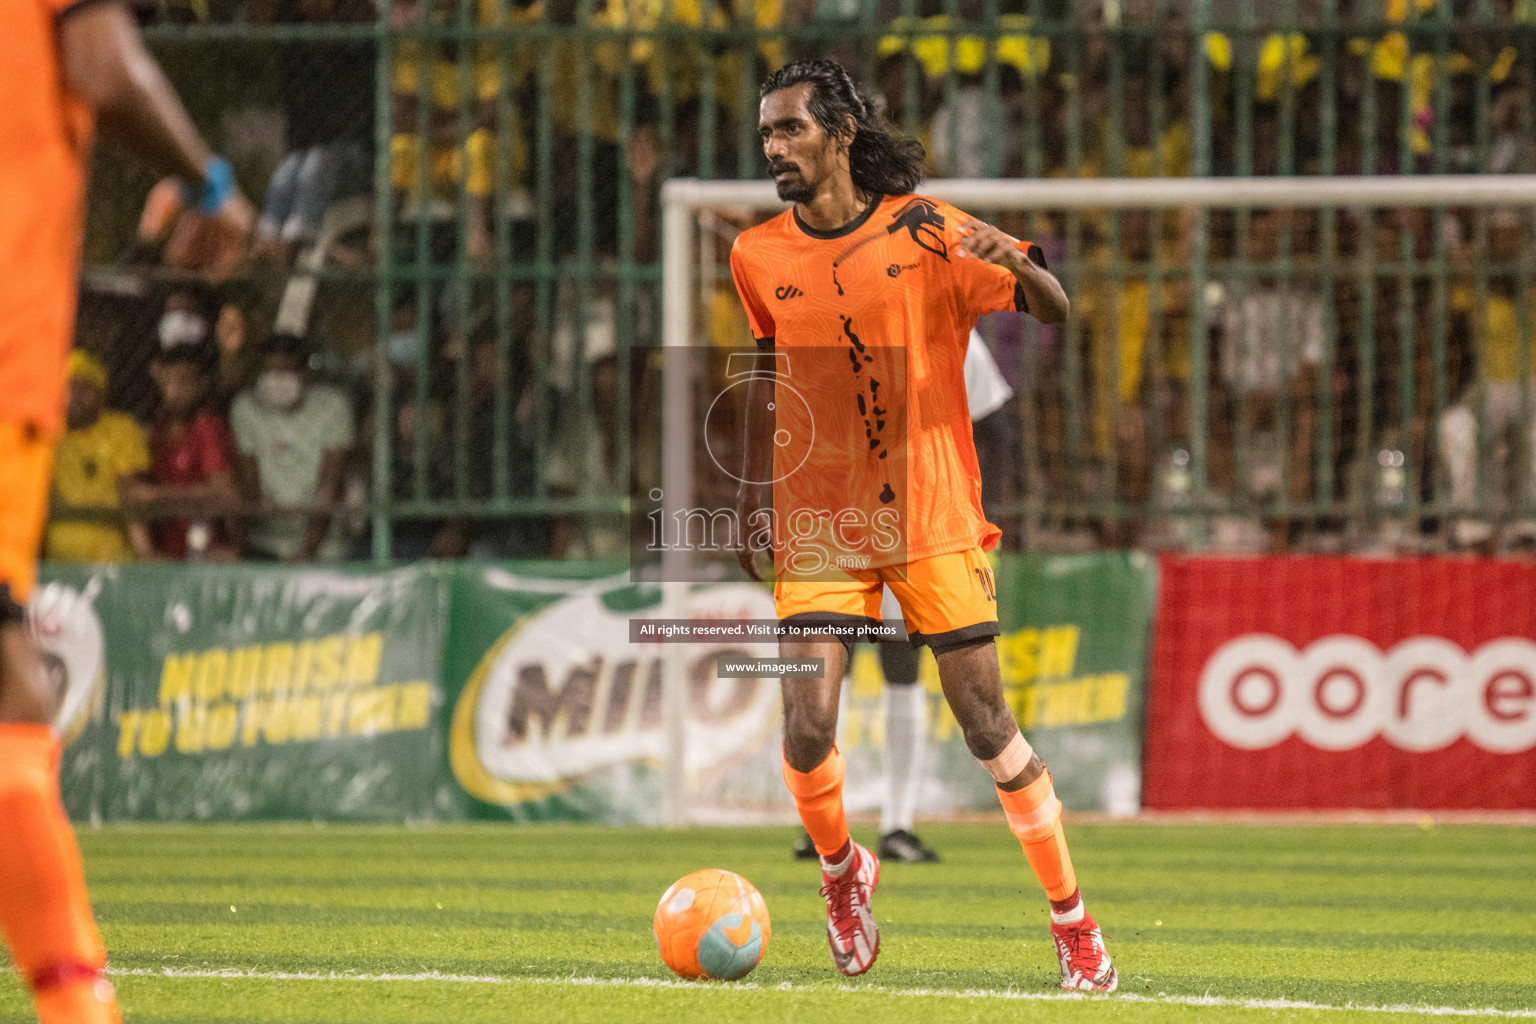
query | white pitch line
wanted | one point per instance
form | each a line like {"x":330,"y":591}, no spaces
{"x":1008,"y":994}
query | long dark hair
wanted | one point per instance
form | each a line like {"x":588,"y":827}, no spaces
{"x":881,"y":161}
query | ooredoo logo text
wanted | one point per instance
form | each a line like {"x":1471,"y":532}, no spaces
{"x":1340,"y":692}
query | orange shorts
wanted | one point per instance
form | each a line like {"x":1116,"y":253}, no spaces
{"x":26,"y":458}
{"x":947,"y":600}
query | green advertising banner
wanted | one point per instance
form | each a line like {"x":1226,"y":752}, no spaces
{"x":556,"y":714}
{"x":232,"y":693}
{"x":1072,"y":652}
{"x":514,"y":691}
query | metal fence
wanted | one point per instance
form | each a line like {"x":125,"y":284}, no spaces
{"x":461,"y":211}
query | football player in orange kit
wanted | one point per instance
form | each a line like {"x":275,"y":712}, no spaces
{"x":66,"y":67}
{"x":861,"y":263}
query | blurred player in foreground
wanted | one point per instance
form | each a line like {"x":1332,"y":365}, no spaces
{"x":860,"y":265}
{"x":66,"y":67}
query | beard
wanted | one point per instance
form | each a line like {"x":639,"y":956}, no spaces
{"x":793,"y":188}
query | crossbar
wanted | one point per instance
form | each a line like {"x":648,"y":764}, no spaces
{"x":1163,"y":193}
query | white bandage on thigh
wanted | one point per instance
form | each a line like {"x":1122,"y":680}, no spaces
{"x":1011,"y":761}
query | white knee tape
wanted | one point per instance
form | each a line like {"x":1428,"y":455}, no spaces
{"x":1011,"y":761}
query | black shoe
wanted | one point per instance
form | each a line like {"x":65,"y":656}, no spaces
{"x":805,"y":849}
{"x":905,"y":847}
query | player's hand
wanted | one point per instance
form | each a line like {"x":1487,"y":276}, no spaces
{"x":215,"y":243}
{"x":161,"y":209}
{"x":987,"y":243}
{"x":749,"y":504}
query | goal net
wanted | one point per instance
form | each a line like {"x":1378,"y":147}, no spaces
{"x":1301,"y":364}
{"x":1310,"y":363}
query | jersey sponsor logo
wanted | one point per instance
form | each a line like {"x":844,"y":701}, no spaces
{"x":923,"y":221}
{"x":787,"y":292}
{"x":1342,"y":691}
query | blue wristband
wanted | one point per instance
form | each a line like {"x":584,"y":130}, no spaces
{"x":217,"y":186}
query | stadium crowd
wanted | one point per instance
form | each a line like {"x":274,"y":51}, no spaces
{"x":237,"y":422}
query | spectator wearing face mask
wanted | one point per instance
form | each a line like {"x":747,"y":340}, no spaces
{"x":191,"y":454}
{"x":186,"y":319}
{"x":194,"y":317}
{"x":183,"y":314}
{"x":292,"y":438}
{"x":98,"y":457}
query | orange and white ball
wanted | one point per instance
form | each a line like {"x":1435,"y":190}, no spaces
{"x":712,"y":924}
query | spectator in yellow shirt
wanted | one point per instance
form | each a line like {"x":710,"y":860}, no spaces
{"x":435,"y":77}
{"x":1479,"y":435}
{"x":101,"y":452}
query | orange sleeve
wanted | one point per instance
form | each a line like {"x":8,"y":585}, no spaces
{"x":761,"y":321}
{"x":985,"y":287}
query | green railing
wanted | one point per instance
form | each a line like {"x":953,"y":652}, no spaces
{"x":518,"y":152}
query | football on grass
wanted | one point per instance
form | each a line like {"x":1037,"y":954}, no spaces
{"x":712,"y":924}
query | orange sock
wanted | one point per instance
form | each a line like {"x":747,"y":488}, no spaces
{"x":818,"y":795}
{"x":44,"y":911}
{"x":1034,"y":816}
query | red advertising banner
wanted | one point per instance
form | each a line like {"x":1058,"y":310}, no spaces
{"x":1333,"y":683}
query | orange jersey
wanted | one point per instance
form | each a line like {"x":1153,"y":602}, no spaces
{"x":45,"y":142}
{"x":880,"y":312}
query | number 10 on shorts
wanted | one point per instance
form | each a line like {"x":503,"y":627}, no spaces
{"x":988,"y":584}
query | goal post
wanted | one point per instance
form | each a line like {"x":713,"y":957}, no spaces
{"x":1357,"y":265}
{"x":683,"y":198}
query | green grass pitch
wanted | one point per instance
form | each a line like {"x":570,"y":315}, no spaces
{"x":552,"y":924}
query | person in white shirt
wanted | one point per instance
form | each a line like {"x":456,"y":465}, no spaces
{"x":293,"y":437}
